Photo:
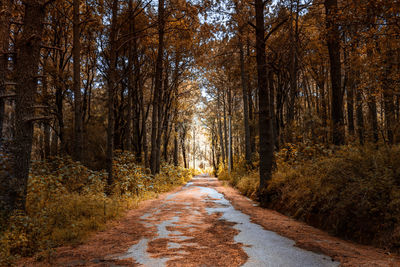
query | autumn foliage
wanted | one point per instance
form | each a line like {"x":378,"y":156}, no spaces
{"x":353,"y":193}
{"x":66,"y":202}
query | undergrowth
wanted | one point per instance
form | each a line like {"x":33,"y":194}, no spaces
{"x":66,"y":202}
{"x":353,"y":192}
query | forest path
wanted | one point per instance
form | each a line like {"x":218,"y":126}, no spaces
{"x":205,"y":223}
{"x":197,"y":226}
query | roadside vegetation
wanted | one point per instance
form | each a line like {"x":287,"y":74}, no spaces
{"x":66,"y":202}
{"x":353,"y":192}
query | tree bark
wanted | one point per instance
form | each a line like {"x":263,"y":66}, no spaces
{"x":112,"y":85}
{"x":243,"y":76}
{"x":265,"y":118}
{"x":349,"y":88}
{"x":60,"y":117}
{"x":250,"y":100}
{"x":374,"y":118}
{"x":293,"y":68}
{"x":350,"y":105}
{"x":54,"y":141}
{"x":371,"y":98}
{"x":46,"y":125}
{"x":230,"y":138}
{"x":360,"y":117}
{"x":221,"y":139}
{"x":5,"y":14}
{"x":324,"y":111}
{"x":176,"y":147}
{"x":333,"y":39}
{"x":157,"y":91}
{"x":388,"y":96}
{"x":182,"y":140}
{"x":76,"y":51}
{"x":129,"y":121}
{"x":27,"y":67}
{"x":225,"y":127}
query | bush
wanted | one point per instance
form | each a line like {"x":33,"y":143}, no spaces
{"x":66,"y":202}
{"x":245,"y":179}
{"x":353,"y":192}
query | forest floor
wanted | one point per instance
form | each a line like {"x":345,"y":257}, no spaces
{"x":206,"y":223}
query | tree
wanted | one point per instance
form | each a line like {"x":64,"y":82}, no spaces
{"x":156,"y":123}
{"x":26,"y":73}
{"x":245,"y":90}
{"x":5,"y":14}
{"x":77,"y":153}
{"x":112,"y":85}
{"x":333,"y":42}
{"x":265,"y":116}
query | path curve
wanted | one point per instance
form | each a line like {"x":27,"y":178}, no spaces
{"x":197,"y":226}
{"x":205,"y":223}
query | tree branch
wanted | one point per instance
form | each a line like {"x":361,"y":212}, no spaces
{"x":275,"y":29}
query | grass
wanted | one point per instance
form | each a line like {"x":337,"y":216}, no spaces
{"x":66,"y":203}
{"x":353,"y":192}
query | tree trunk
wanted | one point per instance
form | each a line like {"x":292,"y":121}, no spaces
{"x":5,"y":14}
{"x":112,"y":85}
{"x":324,"y":111}
{"x":166,"y":136}
{"x":293,"y":69}
{"x":183,"y":139}
{"x":46,"y":125}
{"x":225,"y":128}
{"x":130,"y":79}
{"x":350,"y":106}
{"x":176,"y":147}
{"x":76,"y":51}
{"x":333,"y":41}
{"x":26,"y":71}
{"x":157,"y":90}
{"x":142,"y":133}
{"x":349,"y":88}
{"x":221,"y":138}
{"x":230,"y":150}
{"x":245,"y":103}
{"x":388,"y":96}
{"x":250,"y":100}
{"x":144,"y":141}
{"x":54,"y":142}
{"x":271,"y":88}
{"x":374,"y":118}
{"x":60,"y":117}
{"x":371,"y":98}
{"x":265,"y":118}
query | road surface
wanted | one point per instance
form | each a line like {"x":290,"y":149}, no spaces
{"x":197,"y":226}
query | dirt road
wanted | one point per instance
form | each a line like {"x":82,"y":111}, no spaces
{"x":198,"y":225}
{"x":207,"y":224}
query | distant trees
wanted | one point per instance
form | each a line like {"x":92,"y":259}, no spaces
{"x":84,"y":78}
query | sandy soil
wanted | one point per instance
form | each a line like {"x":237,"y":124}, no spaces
{"x":181,"y":232}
